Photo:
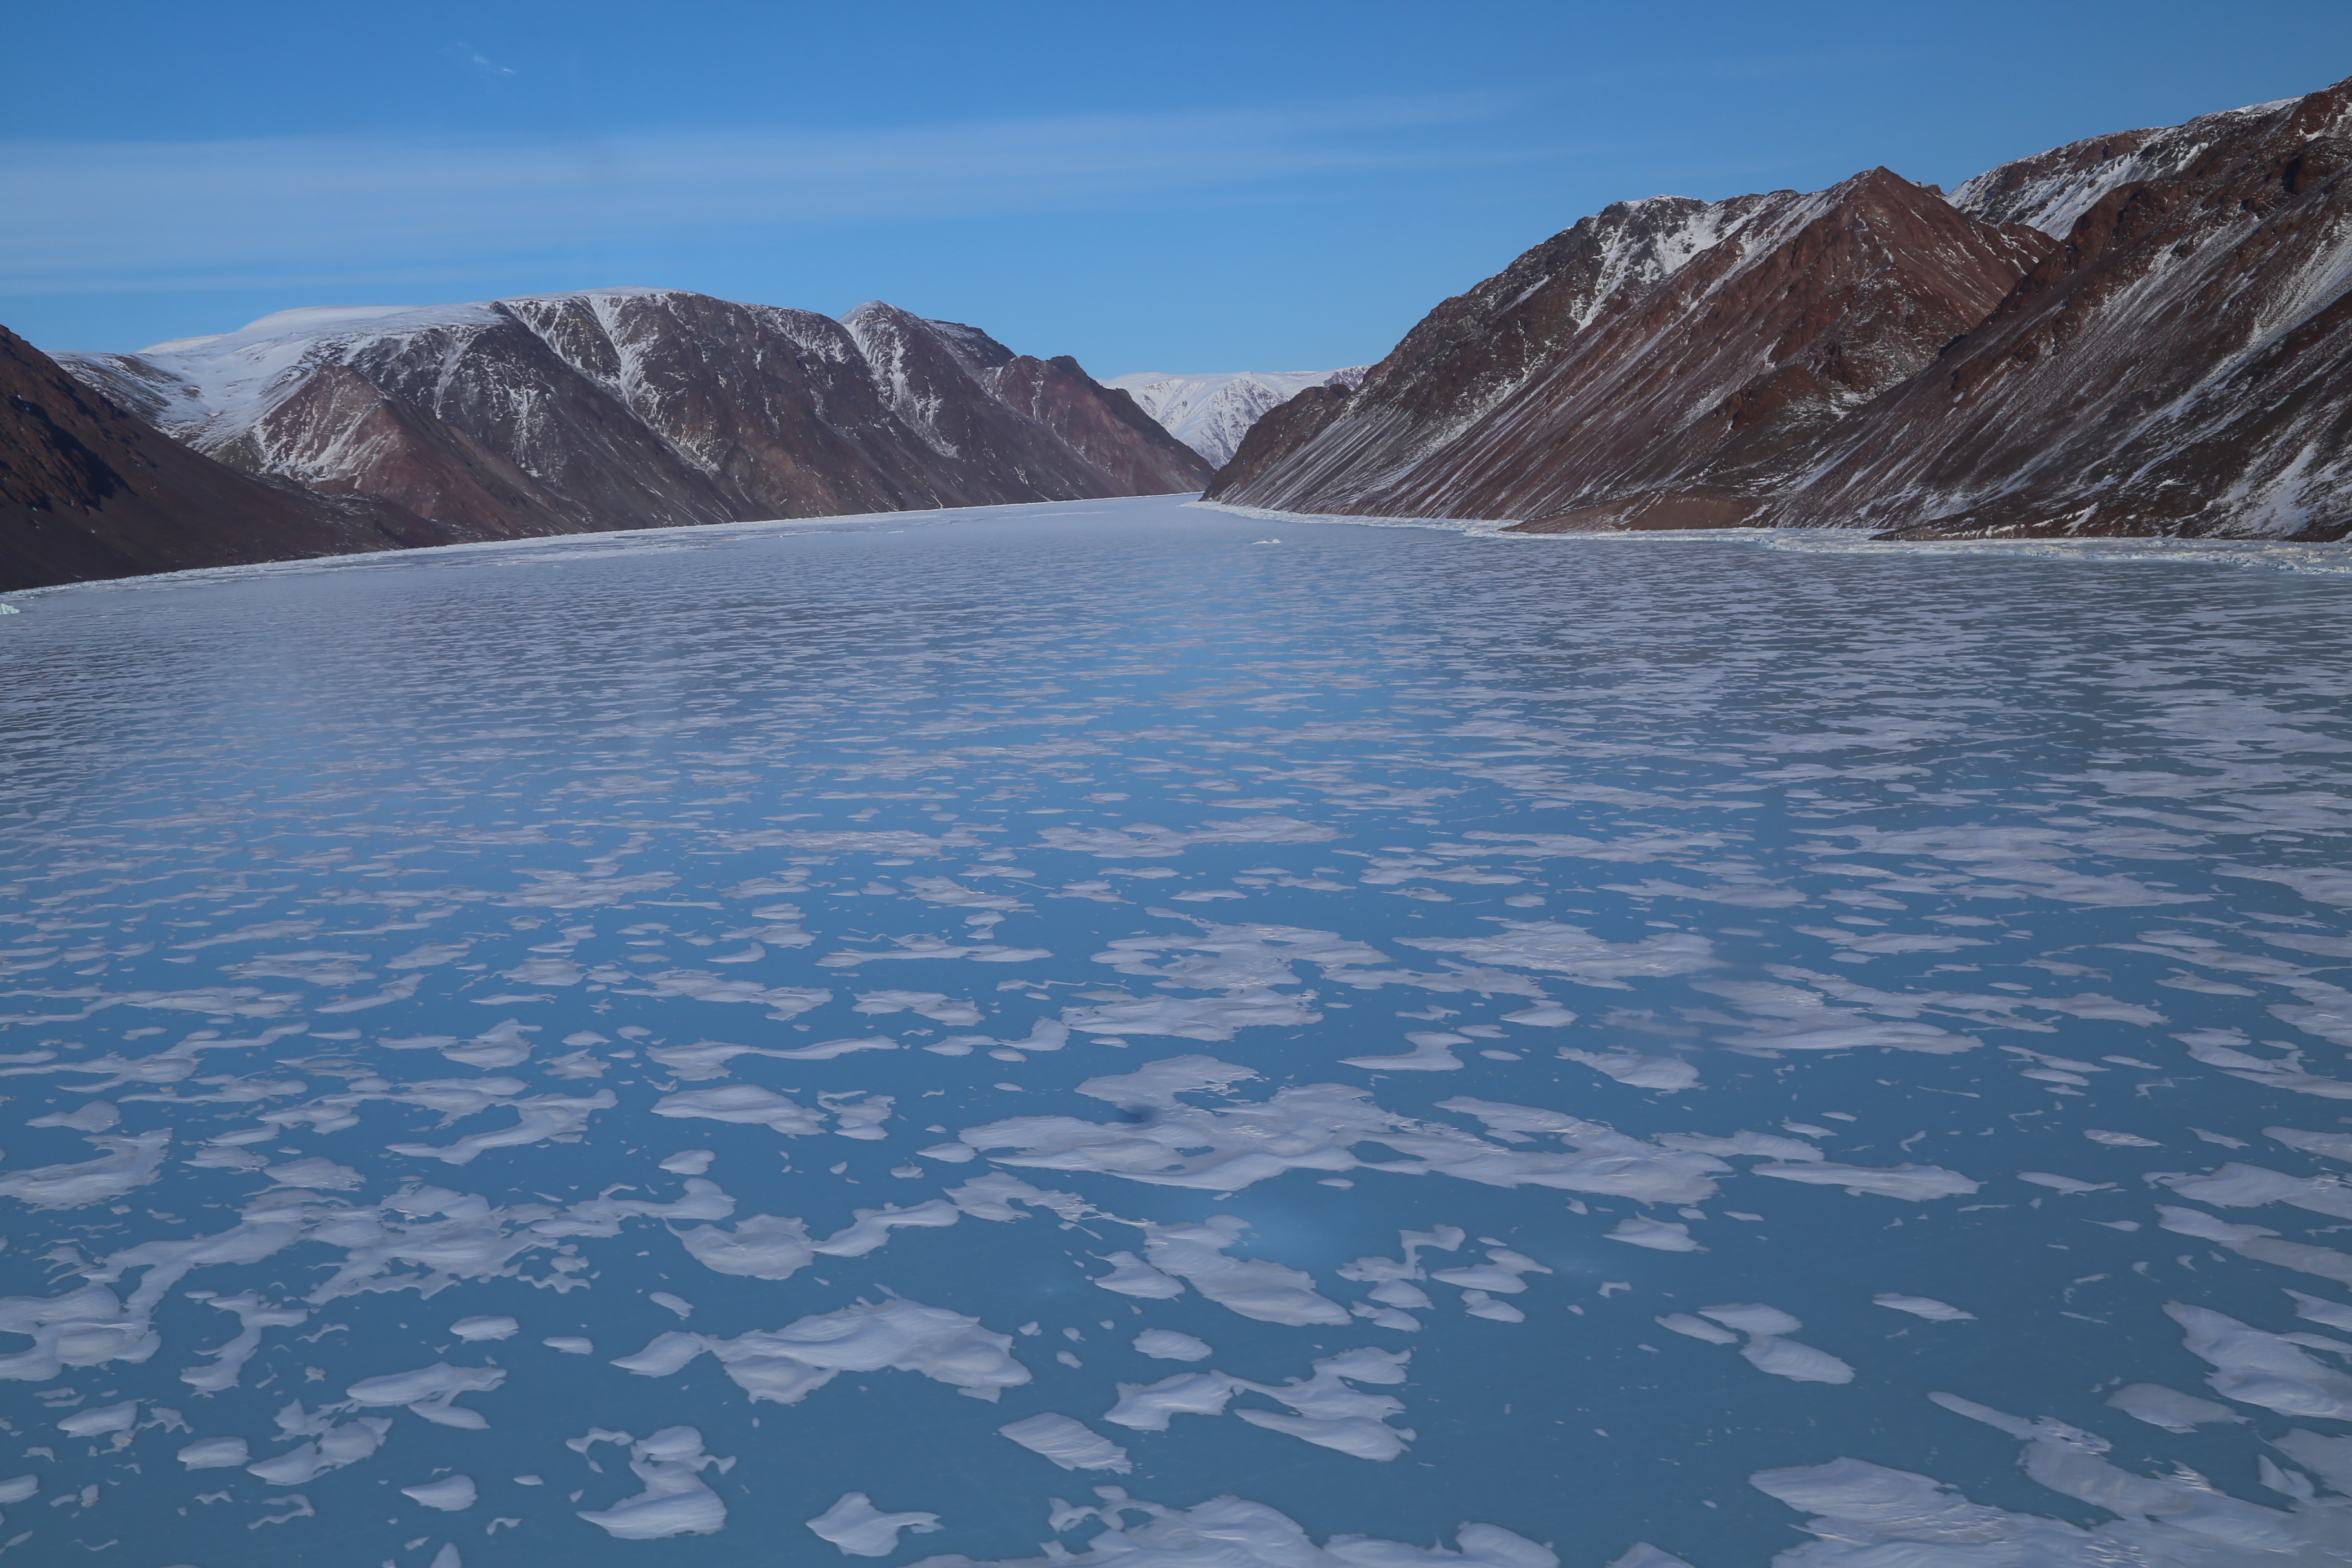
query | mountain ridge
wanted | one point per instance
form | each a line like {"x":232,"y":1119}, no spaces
{"x":641,"y":407}
{"x":2177,"y":350}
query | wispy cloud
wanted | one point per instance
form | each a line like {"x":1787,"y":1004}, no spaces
{"x":477,"y":60}
{"x":106,"y":216}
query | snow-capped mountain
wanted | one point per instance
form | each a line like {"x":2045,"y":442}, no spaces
{"x":1211,"y":411}
{"x":2148,"y":333}
{"x":637,"y":407}
{"x":88,"y":491}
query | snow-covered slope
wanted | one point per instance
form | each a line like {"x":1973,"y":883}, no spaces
{"x":636,"y":407}
{"x":1213,"y":411}
{"x":2050,"y":190}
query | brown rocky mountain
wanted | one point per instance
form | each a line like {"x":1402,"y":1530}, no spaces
{"x":639,"y":407}
{"x":2181,"y":364}
{"x":2142,"y":332}
{"x":1647,"y":361}
{"x":89,"y":491}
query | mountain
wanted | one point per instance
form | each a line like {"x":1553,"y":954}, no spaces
{"x":2181,"y":364}
{"x":2142,"y":332}
{"x":641,"y":407}
{"x":90,"y":491}
{"x":1660,"y":345}
{"x":1211,"y":411}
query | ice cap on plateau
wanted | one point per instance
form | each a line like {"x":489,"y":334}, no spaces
{"x":1211,"y":411}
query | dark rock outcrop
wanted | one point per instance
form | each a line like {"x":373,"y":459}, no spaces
{"x":90,"y":491}
{"x":632,"y":408}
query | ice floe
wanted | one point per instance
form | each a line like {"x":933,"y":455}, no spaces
{"x":788,"y":1363}
{"x":860,"y":1529}
{"x":674,"y":1501}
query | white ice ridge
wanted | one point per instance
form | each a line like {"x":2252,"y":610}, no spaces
{"x":854,"y":1524}
{"x":1233,"y":1533}
{"x":674,"y":1501}
{"x":1324,"y":1410}
{"x":787,"y":1364}
{"x":1316,"y":1127}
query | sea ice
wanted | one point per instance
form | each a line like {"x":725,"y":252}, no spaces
{"x":1636,"y":1070}
{"x":787,"y":1364}
{"x":2164,"y":1407}
{"x":761,"y":1247}
{"x":1661,"y":1236}
{"x":215,"y":1454}
{"x":860,"y":1529}
{"x":1167,"y":1345}
{"x":1069,"y":1444}
{"x":450,"y":1494}
{"x":1926,"y":1307}
{"x":1911,"y":1184}
{"x":674,"y":1501}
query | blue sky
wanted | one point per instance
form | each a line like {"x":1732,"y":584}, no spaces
{"x":1211,"y":185}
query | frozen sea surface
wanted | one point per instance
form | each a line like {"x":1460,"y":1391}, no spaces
{"x":1129,"y":1034}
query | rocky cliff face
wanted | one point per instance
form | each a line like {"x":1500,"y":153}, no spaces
{"x":2142,"y":332}
{"x":88,"y":491}
{"x":628,"y":409}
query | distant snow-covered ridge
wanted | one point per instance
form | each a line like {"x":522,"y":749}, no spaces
{"x":1211,"y":412}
